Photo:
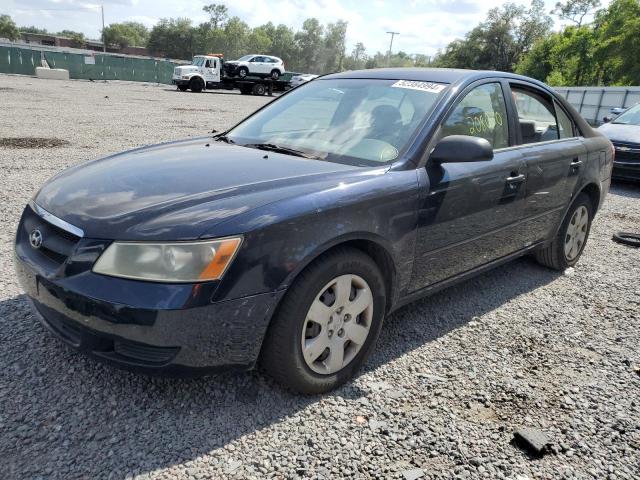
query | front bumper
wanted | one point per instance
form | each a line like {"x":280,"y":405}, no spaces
{"x":162,"y":338}
{"x":626,"y":170}
{"x":180,"y":82}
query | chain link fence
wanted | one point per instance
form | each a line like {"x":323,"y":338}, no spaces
{"x":594,"y":103}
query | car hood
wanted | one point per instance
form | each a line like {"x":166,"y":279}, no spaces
{"x":178,"y":190}
{"x":621,"y":133}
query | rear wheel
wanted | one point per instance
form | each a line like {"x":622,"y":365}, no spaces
{"x":275,"y":74}
{"x":327,"y":323}
{"x":259,"y":89}
{"x":196,"y":85}
{"x":566,"y":248}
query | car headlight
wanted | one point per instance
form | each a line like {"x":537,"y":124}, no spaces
{"x":185,"y":77}
{"x":168,"y":262}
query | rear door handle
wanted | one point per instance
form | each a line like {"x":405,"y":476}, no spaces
{"x":516,"y":178}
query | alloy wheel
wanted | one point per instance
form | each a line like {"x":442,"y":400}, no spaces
{"x":337,"y":324}
{"x":576,"y":233}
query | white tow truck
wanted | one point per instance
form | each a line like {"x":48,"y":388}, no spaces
{"x":208,"y":72}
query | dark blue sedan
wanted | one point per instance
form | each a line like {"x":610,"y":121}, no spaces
{"x":286,"y":240}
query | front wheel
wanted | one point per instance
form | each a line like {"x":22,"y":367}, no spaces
{"x":327,"y":324}
{"x":243,"y":72}
{"x":196,"y":85}
{"x":567,"y":247}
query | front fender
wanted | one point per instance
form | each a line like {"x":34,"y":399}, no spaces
{"x":282,"y":238}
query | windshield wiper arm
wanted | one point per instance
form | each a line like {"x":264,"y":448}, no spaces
{"x":272,"y":147}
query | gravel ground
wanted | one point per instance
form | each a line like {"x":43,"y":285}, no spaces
{"x":452,"y":377}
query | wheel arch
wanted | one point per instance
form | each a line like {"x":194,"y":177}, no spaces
{"x":373,"y":246}
{"x":592,"y":190}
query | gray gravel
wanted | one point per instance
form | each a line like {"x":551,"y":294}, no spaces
{"x":452,"y":378}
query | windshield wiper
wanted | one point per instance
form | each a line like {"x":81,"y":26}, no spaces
{"x":272,"y":147}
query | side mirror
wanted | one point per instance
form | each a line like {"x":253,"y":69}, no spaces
{"x":606,"y":119}
{"x":462,"y":148}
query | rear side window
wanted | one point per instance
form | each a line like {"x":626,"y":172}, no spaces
{"x":565,"y":125}
{"x":481,"y":113}
{"x":536,"y":116}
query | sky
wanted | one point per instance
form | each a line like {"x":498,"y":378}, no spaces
{"x":424,"y":25}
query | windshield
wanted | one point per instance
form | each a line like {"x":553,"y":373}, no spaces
{"x":354,"y":121}
{"x":246,"y":58}
{"x":198,"y":61}
{"x":630,"y":117}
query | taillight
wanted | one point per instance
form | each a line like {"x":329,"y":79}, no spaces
{"x":613,"y":152}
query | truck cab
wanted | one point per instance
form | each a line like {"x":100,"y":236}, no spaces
{"x":204,"y":72}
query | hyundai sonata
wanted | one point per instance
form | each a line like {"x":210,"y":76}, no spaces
{"x":285,"y":241}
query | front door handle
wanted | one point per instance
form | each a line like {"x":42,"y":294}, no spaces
{"x":516,"y":178}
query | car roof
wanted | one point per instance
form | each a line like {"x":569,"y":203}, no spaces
{"x":437,"y":75}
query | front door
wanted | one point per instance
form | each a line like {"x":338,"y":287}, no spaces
{"x":212,"y":70}
{"x":471,"y":211}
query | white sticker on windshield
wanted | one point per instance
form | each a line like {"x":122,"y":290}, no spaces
{"x":423,"y":86}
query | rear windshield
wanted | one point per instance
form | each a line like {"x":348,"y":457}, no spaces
{"x":354,"y":121}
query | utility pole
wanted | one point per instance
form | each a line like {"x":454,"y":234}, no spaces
{"x":393,"y":34}
{"x":104,"y":44}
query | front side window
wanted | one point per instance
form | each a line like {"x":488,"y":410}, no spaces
{"x":535,"y":116}
{"x":481,"y":113}
{"x":354,"y":121}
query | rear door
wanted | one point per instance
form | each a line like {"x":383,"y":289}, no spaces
{"x":258,"y":65}
{"x":553,"y":154}
{"x":471,"y":212}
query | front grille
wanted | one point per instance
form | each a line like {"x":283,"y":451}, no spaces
{"x":627,"y":152}
{"x":57,"y":243}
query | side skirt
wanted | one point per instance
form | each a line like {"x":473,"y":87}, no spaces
{"x":461,"y":277}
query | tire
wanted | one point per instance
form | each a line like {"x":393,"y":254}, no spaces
{"x":627,"y":238}
{"x":283,"y":354}
{"x":258,"y":89}
{"x":182,"y":88}
{"x":196,"y":85}
{"x":275,"y":74}
{"x":243,"y":72}
{"x":555,"y":254}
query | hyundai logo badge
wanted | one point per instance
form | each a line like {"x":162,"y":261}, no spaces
{"x":35,"y":238}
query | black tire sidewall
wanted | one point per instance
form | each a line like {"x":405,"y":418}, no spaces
{"x":301,"y":297}
{"x":581,"y":200}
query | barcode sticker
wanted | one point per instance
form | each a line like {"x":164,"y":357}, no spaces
{"x":423,"y":86}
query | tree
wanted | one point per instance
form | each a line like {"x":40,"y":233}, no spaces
{"x":8,"y":28}
{"x":126,"y":34}
{"x":575,"y":10}
{"x":33,"y":29}
{"x":335,"y":35}
{"x":500,"y":41}
{"x":310,"y":43}
{"x":172,"y":37}
{"x":218,"y":13}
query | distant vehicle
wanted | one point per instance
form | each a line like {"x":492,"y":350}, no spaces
{"x":262,"y":65}
{"x":212,"y":72}
{"x":624,"y":133}
{"x":613,"y":113}
{"x":287,"y":239}
{"x":298,"y":80}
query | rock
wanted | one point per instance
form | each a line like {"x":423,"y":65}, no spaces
{"x":531,"y":439}
{"x":413,"y":474}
